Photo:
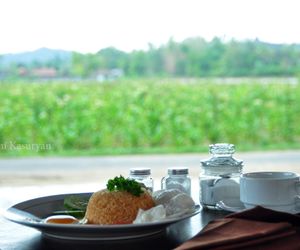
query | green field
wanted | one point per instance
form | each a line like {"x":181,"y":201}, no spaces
{"x":140,"y":116}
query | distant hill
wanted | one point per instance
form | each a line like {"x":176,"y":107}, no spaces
{"x":41,"y":55}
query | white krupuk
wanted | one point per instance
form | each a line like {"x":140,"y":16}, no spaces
{"x":170,"y":203}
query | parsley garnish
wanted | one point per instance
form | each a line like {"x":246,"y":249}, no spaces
{"x":122,"y":184}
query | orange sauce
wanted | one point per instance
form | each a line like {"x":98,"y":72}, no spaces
{"x":61,"y":219}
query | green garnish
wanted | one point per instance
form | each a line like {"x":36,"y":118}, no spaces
{"x":122,"y":184}
{"x":75,"y":205}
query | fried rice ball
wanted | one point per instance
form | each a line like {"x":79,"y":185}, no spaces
{"x":116,"y":207}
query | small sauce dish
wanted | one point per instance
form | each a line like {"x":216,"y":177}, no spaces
{"x":61,"y":219}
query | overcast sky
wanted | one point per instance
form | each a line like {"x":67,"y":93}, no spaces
{"x":89,"y":25}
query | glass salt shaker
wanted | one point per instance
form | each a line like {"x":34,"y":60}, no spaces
{"x":177,"y":178}
{"x":219,"y":177}
{"x":143,"y":176}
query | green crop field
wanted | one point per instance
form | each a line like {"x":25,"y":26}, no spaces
{"x":135,"y":116}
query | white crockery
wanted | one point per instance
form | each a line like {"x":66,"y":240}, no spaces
{"x":275,"y":190}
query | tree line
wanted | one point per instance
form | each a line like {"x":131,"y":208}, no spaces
{"x":196,"y":57}
{"x":193,"y":57}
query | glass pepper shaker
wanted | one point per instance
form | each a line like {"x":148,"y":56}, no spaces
{"x":219,"y":177}
{"x":177,"y":178}
{"x":143,"y":176}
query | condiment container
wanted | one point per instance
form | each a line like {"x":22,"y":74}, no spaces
{"x":177,"y":178}
{"x":143,"y":176}
{"x":219,"y":177}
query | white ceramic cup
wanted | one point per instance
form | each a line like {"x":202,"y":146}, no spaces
{"x":275,"y":190}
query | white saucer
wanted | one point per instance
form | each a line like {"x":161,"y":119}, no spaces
{"x":233,"y":206}
{"x":238,"y":206}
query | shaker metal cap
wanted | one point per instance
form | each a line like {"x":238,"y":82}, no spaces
{"x":178,"y":171}
{"x":140,"y":171}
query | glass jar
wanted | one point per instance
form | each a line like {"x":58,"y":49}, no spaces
{"x":219,"y":177}
{"x":143,"y":176}
{"x":177,"y":178}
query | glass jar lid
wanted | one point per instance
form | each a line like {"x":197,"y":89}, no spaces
{"x":222,"y":149}
{"x":140,"y":171}
{"x":178,"y":171}
{"x":222,"y":156}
